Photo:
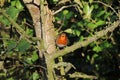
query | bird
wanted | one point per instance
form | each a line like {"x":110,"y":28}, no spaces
{"x":62,"y":40}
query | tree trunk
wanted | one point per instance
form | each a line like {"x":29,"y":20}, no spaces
{"x":48,"y":37}
{"x":44,"y":28}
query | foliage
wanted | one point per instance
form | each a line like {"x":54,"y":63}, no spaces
{"x":19,"y":55}
{"x":80,"y":19}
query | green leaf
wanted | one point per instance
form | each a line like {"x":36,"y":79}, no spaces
{"x":90,"y":1}
{"x":35,"y":57}
{"x":106,"y":44}
{"x":95,"y":56}
{"x":57,"y":19}
{"x":68,"y":16}
{"x":88,"y":57}
{"x":77,"y":32}
{"x":36,"y":75}
{"x":91,"y":25}
{"x":79,"y":3}
{"x":80,"y":24}
{"x":87,"y":10}
{"x":12,"y":12}
{"x":13,"y":3}
{"x":68,"y":30}
{"x":28,"y":60}
{"x":65,"y":12}
{"x":23,"y":45}
{"x":100,"y":13}
{"x":82,"y":38}
{"x":96,"y":6}
{"x":19,"y":5}
{"x":11,"y":78}
{"x":100,"y":22}
{"x":55,"y":1}
{"x":97,"y":49}
{"x":107,"y":14}
{"x":29,"y":31}
{"x":4,"y":20}
{"x":11,"y":45}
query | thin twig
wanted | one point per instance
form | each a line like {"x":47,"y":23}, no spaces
{"x":86,"y":42}
{"x":59,"y":10}
{"x":107,"y":6}
{"x":82,"y":75}
{"x":61,"y":25}
{"x":19,"y":29}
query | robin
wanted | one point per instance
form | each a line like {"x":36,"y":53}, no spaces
{"x":62,"y":40}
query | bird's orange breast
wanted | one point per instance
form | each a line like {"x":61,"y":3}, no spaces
{"x":62,"y":40}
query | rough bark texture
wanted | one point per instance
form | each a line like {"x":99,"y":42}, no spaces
{"x":35,"y":14}
{"x":48,"y":31}
{"x":44,"y":28}
{"x":48,"y":37}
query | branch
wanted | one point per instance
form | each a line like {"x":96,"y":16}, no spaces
{"x":66,"y":65}
{"x":59,"y":10}
{"x":107,"y":6}
{"x":19,"y":29}
{"x":89,"y":40}
{"x":81,"y":75}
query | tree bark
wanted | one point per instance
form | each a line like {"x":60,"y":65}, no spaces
{"x":48,"y":37}
{"x":44,"y":28}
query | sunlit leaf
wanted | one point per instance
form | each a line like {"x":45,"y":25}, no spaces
{"x":77,"y":32}
{"x":36,"y":75}
{"x":68,"y":30}
{"x":95,"y":56}
{"x":29,"y":31}
{"x":90,"y":1}
{"x":82,"y":38}
{"x":97,"y":49}
{"x":68,"y":16}
{"x":34,"y":56}
{"x":91,"y":25}
{"x":28,"y":60}
{"x":65,"y":12}
{"x":19,"y":5}
{"x":57,"y":18}
{"x":13,"y":3}
{"x":55,"y":1}
{"x":88,"y":57}
{"x":100,"y":22}
{"x":87,"y":10}
{"x":79,"y":3}
{"x":5,"y":21}
{"x":11,"y":78}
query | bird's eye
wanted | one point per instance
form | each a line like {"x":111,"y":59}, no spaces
{"x":63,"y":35}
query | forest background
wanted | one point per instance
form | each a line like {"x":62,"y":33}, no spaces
{"x":29,"y":28}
